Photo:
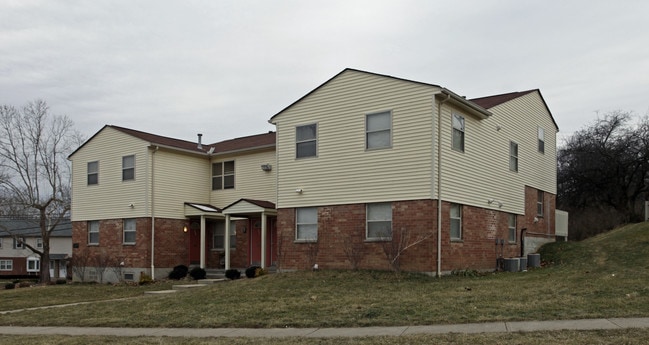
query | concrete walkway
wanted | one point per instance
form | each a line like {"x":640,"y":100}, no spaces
{"x":488,"y":327}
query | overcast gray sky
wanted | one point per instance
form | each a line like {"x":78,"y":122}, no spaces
{"x":223,"y":68}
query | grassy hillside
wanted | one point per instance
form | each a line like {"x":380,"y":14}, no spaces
{"x":625,"y":249}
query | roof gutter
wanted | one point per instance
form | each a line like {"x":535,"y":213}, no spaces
{"x":439,"y":181}
{"x":466,"y":105}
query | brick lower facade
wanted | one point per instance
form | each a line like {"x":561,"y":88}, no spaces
{"x":342,"y":240}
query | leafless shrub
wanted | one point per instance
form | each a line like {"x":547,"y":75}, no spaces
{"x":398,"y":243}
{"x":80,"y":262}
{"x":353,"y":248}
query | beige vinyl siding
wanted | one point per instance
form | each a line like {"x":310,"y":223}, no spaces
{"x":179,"y":178}
{"x":482,"y":172}
{"x":250,"y":181}
{"x":111,"y":196}
{"x":344,"y":171}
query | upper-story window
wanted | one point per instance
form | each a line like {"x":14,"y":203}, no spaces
{"x":306,"y":224}
{"x":541,"y":135}
{"x":379,"y":221}
{"x":128,"y":168}
{"x":19,"y":243}
{"x":458,"y":133}
{"x":378,"y":130}
{"x":130,"y":231}
{"x":223,"y":175}
{"x":93,"y":232}
{"x":513,"y":156}
{"x":306,"y":142}
{"x":39,"y":242}
{"x":93,"y":172}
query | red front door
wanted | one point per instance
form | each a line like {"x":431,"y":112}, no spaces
{"x":194,"y":246}
{"x":255,"y":242}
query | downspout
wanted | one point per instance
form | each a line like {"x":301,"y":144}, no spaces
{"x":153,"y":214}
{"x":439,"y":185}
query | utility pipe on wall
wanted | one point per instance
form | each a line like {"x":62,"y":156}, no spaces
{"x":439,"y":184}
{"x":153,"y":215}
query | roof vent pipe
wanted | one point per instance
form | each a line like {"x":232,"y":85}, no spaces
{"x":200,"y":146}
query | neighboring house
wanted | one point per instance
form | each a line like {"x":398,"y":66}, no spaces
{"x":353,"y":175}
{"x":17,"y":260}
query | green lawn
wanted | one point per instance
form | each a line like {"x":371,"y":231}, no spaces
{"x":605,"y":276}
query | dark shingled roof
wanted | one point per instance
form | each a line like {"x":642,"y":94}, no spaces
{"x":30,"y":228}
{"x":492,"y":101}
{"x":244,"y":143}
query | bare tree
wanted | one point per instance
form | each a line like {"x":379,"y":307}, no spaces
{"x":398,"y":243}
{"x":80,"y":262}
{"x":34,"y":171}
{"x":353,"y":248}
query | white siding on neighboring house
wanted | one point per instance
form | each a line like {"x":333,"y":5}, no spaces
{"x":110,"y":198}
{"x":482,"y":171}
{"x":344,"y":171}
{"x":179,"y":178}
{"x":250,"y":181}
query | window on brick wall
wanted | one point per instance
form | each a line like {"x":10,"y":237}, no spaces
{"x":512,"y":228}
{"x":456,"y":222}
{"x":539,"y":203}
{"x":379,"y":221}
{"x":129,"y":231}
{"x":306,"y":225}
{"x":93,"y":232}
{"x":218,"y":236}
{"x":6,"y":265}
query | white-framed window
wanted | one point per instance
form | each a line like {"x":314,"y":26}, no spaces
{"x":130,"y":231}
{"x":541,"y":136}
{"x":306,"y":141}
{"x":378,"y":130}
{"x":6,"y":265}
{"x":379,"y":221}
{"x":128,"y":168}
{"x":513,"y":156}
{"x":93,"y":232}
{"x":33,"y":264}
{"x":223,"y":175}
{"x":458,"y":132}
{"x":512,"y":228}
{"x":19,"y":243}
{"x":218,"y":236}
{"x":39,"y":243}
{"x":539,"y":203}
{"x":306,"y":224}
{"x":456,"y":222}
{"x":93,"y":173}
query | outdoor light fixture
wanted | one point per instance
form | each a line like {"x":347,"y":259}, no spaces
{"x":185,"y":228}
{"x":298,"y":190}
{"x":266,"y":167}
{"x":492,"y":201}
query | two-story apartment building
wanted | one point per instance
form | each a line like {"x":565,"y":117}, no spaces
{"x":360,"y":168}
{"x":17,"y":260}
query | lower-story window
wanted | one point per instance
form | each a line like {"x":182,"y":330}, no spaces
{"x":129,"y":231}
{"x":33,"y":264}
{"x":6,"y":265}
{"x":306,"y":225}
{"x":379,"y":221}
{"x":456,"y":222}
{"x":512,"y":228}
{"x":218,"y":236}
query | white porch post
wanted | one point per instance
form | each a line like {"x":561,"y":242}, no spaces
{"x":263,"y":239}
{"x":203,"y":242}
{"x":227,"y":242}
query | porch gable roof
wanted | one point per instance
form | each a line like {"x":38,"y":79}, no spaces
{"x":249,"y":207}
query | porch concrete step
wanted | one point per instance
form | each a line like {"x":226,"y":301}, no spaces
{"x":212,"y":280}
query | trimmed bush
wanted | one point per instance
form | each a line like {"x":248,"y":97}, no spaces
{"x":198,"y":273}
{"x":255,"y":271}
{"x":232,"y":274}
{"x":179,"y":272}
{"x":10,"y":286}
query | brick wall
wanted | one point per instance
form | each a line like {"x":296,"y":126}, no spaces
{"x":343,"y":226}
